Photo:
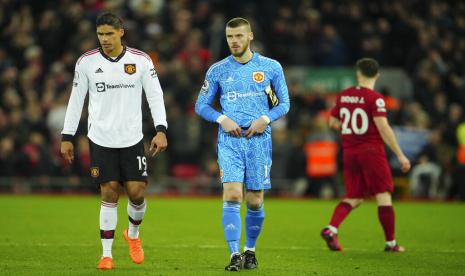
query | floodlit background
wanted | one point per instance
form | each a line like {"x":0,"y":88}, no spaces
{"x":420,"y":45}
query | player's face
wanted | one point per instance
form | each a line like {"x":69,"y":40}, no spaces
{"x":238,"y":39}
{"x":109,"y":37}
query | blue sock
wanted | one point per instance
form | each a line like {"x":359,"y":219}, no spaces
{"x":232,"y":224}
{"x":253,"y":225}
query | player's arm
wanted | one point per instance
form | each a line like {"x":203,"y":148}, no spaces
{"x":334,"y":123}
{"x":154,"y":95}
{"x":73,"y":112}
{"x":279,"y":98}
{"x":389,"y":138}
{"x":203,"y":106}
{"x":280,"y":89}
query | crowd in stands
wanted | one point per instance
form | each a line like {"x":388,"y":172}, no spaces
{"x":41,"y":41}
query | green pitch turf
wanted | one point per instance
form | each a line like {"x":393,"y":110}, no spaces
{"x":52,"y":235}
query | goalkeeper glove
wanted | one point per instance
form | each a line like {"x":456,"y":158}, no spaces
{"x":272,"y":99}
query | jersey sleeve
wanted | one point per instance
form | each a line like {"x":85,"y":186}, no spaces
{"x":76,"y":101}
{"x":279,"y":84}
{"x":154,"y":95}
{"x":378,"y":106}
{"x":206,"y":97}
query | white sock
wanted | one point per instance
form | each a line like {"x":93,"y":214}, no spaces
{"x":249,"y":249}
{"x":136,"y":214}
{"x":391,"y":243}
{"x":333,"y":229}
{"x":108,"y":219}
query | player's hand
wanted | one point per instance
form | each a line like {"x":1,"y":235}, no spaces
{"x":67,"y":151}
{"x":231,"y":127}
{"x":404,"y":163}
{"x":258,"y":126}
{"x":159,"y":143}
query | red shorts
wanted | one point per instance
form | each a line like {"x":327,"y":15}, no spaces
{"x":366,"y":172}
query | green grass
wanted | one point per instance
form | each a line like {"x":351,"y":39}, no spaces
{"x":53,"y":235}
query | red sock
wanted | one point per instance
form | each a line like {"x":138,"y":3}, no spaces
{"x":340,"y":213}
{"x":386,"y":217}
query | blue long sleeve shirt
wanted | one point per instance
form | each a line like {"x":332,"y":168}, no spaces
{"x":241,"y":88}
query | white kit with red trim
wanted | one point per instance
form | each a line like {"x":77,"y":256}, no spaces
{"x":115,"y":97}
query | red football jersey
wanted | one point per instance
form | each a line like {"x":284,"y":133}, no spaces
{"x":355,"y":108}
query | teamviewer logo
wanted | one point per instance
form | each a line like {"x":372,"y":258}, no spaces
{"x":100,"y":86}
{"x":231,"y":96}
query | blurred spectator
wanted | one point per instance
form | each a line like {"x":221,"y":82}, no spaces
{"x":425,"y":175}
{"x":41,"y":41}
{"x":321,"y":149}
{"x":7,"y":156}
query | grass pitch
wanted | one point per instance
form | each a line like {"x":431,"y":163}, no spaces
{"x":52,"y":235}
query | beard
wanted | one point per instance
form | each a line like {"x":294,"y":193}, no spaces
{"x":241,"y":52}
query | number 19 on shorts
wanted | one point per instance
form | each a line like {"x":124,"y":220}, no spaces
{"x":142,"y":163}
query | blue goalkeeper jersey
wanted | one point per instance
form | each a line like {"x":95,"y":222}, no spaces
{"x":241,"y":89}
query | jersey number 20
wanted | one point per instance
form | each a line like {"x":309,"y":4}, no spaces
{"x":349,"y":121}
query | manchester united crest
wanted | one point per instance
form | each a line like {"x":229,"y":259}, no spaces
{"x":258,"y":77}
{"x":130,"y":68}
{"x":94,"y":172}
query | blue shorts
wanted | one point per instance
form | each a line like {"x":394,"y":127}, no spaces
{"x":245,"y":160}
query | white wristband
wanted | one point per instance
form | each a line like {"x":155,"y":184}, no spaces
{"x":267,"y":120}
{"x":221,"y":118}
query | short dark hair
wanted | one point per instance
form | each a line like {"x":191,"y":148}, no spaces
{"x":237,"y":22}
{"x":109,"y":18}
{"x":367,"y":66}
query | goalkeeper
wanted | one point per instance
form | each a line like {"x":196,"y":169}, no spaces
{"x":252,"y":93}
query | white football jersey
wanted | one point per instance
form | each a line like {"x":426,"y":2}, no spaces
{"x":115,"y":97}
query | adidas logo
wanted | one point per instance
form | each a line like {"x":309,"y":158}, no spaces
{"x":144,"y":173}
{"x":230,"y":227}
{"x":254,"y":227}
{"x":99,"y":71}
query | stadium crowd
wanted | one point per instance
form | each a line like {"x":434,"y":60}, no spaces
{"x":41,"y":41}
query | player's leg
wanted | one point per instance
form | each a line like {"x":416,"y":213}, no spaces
{"x":257,"y":179}
{"x":379,"y":183}
{"x":133,"y":164}
{"x":232,"y":224}
{"x":354,"y":186}
{"x":108,"y":219}
{"x":136,"y":206}
{"x":136,"y":210}
{"x":386,"y":217}
{"x":253,"y":226}
{"x":254,"y":218}
{"x":342,"y":210}
{"x":232,"y":171}
{"x":105,"y":173}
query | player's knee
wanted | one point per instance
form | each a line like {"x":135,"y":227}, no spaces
{"x":384,"y":199}
{"x":354,"y":202}
{"x":136,"y":196}
{"x":255,"y":204}
{"x":136,"y":192}
{"x":233,"y":195}
{"x":357,"y":203}
{"x":110,"y":192}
